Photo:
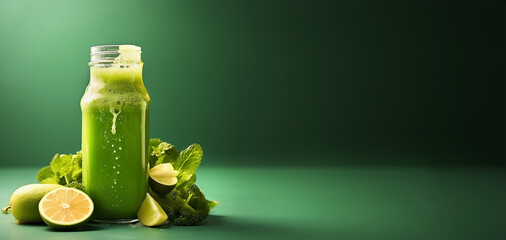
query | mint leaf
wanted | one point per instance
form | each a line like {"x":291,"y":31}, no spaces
{"x":52,"y":180}
{"x":61,"y":165}
{"x":161,"y":152}
{"x":188,"y":162}
{"x":76,"y":175}
{"x":193,"y":178}
{"x":45,"y":173}
{"x":67,"y":168}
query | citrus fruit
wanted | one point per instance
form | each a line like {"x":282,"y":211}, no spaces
{"x":162,"y":178}
{"x":65,"y":208}
{"x":24,"y":202}
{"x":150,"y":213}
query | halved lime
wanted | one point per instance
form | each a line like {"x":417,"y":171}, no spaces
{"x":65,"y":208}
{"x":150,"y":213}
{"x":162,"y":178}
{"x":24,"y":202}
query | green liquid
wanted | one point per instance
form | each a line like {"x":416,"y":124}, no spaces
{"x":115,"y":114}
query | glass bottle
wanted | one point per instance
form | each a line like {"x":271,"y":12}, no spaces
{"x":115,"y":133}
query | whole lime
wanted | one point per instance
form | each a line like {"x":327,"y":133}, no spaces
{"x":24,"y":201}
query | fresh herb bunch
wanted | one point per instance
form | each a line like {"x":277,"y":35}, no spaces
{"x":64,"y":169}
{"x":186,"y":204}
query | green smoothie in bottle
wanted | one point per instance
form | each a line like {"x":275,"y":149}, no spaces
{"x":115,"y":133}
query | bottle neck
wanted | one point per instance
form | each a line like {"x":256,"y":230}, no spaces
{"x":115,"y":77}
{"x":116,"y":63}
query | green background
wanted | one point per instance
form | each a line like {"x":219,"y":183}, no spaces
{"x":318,"y":119}
{"x":270,"y":82}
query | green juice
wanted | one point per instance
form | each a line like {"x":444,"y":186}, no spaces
{"x":115,"y":118}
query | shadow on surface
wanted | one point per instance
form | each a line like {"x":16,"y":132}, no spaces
{"x":85,"y":228}
{"x":30,"y":224}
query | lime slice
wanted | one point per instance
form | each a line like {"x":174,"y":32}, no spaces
{"x":150,"y":213}
{"x":162,"y":178}
{"x":65,"y":208}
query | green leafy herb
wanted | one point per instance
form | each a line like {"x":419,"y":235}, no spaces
{"x":187,"y":163}
{"x":63,"y":169}
{"x":193,"y":179}
{"x":161,"y":152}
{"x":46,"y":175}
{"x":61,"y":166}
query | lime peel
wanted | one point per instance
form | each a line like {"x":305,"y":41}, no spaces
{"x":150,"y":213}
{"x":163,"y":178}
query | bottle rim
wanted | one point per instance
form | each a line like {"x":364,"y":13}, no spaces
{"x":111,"y":54}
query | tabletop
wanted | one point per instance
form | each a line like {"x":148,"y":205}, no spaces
{"x":315,"y":203}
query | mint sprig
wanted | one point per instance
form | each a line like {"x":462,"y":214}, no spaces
{"x":187,"y":163}
{"x":161,"y":152}
{"x":63,"y":169}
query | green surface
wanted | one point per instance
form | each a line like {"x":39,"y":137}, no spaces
{"x":268,"y":78}
{"x":316,"y":203}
